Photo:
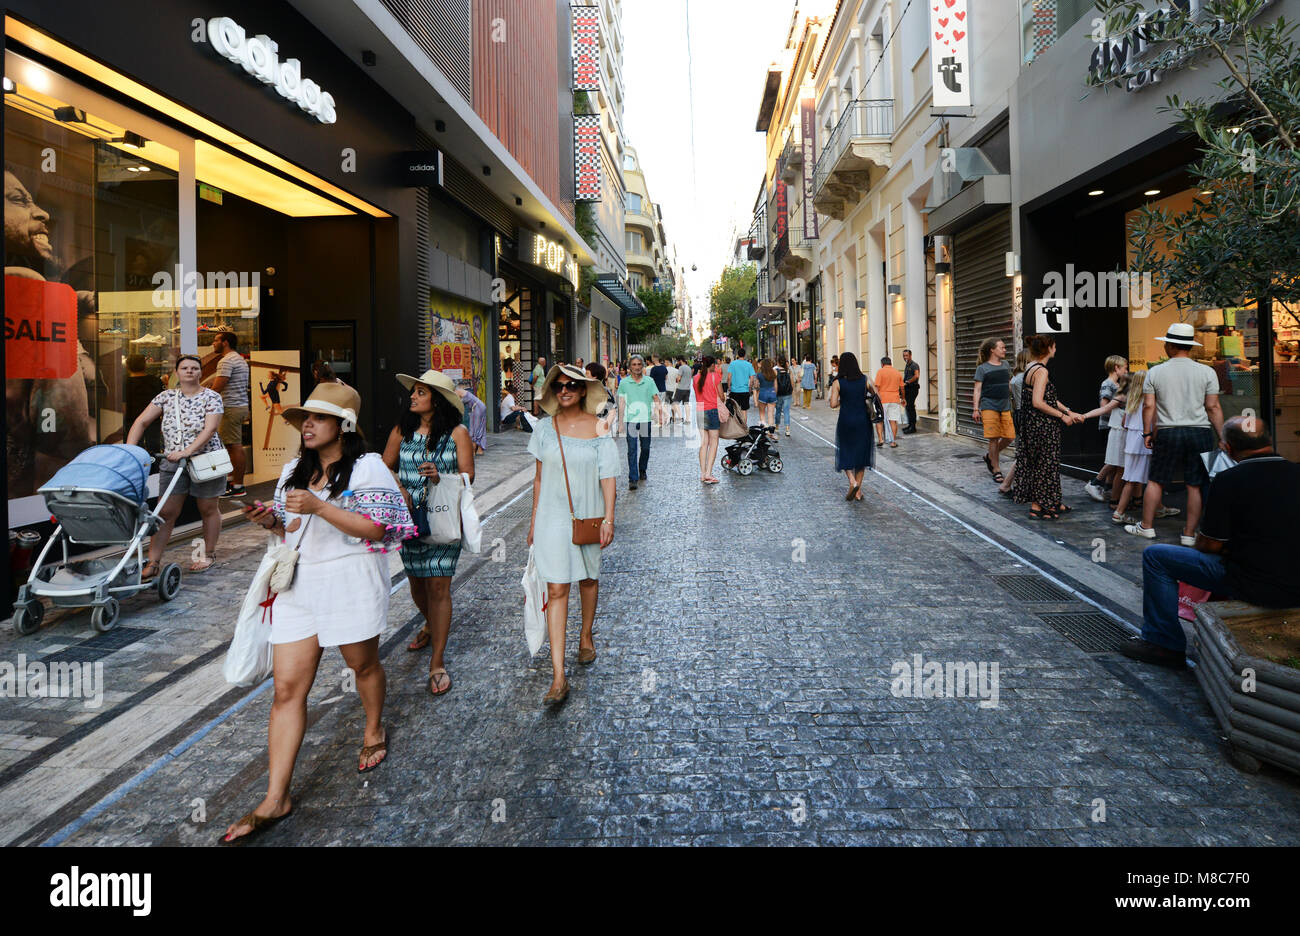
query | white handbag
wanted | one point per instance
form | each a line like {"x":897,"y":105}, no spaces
{"x":207,"y":466}
{"x":249,"y":657}
{"x":471,"y":528}
{"x":534,"y":605}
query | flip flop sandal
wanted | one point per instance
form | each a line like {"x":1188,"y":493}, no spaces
{"x":422,"y":639}
{"x":852,"y":493}
{"x":369,"y":750}
{"x":433,"y":675}
{"x":259,"y":825}
{"x":201,"y":565}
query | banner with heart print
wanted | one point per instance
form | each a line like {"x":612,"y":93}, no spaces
{"x":950,"y":53}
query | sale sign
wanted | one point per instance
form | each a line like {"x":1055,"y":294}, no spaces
{"x":40,"y":329}
{"x":950,"y":53}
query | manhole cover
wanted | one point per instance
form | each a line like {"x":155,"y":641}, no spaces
{"x":1032,"y":588}
{"x":1089,"y":631}
{"x":98,"y":647}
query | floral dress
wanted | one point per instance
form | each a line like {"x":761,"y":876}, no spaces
{"x":425,"y":560}
{"x":1038,"y":450}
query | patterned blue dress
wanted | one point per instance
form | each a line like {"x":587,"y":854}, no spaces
{"x":423,"y":560}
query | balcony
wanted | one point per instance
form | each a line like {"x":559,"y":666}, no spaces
{"x":794,"y":252}
{"x":792,"y":158}
{"x":642,"y":220}
{"x":858,"y":144}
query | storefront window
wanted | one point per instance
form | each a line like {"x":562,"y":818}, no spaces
{"x":458,"y":341}
{"x":1286,"y":378}
{"x":509,"y":332}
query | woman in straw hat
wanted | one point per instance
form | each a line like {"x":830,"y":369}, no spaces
{"x":571,"y":443}
{"x":429,"y":446}
{"x":339,"y":594}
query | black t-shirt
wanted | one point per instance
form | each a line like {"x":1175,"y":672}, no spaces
{"x":1254,"y":507}
{"x":659,"y":374}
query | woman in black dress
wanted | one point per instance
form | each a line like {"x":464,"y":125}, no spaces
{"x":853,"y":451}
{"x":1037,"y":480}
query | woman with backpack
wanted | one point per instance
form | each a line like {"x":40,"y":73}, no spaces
{"x":784,"y":391}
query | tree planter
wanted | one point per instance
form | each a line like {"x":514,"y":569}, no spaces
{"x":1256,"y":701}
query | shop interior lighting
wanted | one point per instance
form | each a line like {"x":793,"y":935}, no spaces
{"x":68,"y":114}
{"x":1095,"y":192}
{"x":66,"y":55}
{"x":1151,"y":191}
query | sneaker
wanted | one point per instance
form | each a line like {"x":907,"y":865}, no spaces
{"x":1137,"y":529}
{"x":1095,"y":492}
{"x":1187,"y":540}
{"x":1118,"y":518}
{"x":1167,"y":512}
{"x":631,"y":486}
{"x":235,"y":490}
{"x":1147,"y":652}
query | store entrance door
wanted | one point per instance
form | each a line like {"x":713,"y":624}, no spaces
{"x":333,"y":345}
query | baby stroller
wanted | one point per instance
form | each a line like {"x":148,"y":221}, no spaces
{"x":97,"y":499}
{"x":757,"y":448}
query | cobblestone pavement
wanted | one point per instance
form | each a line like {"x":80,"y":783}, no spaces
{"x":747,"y":691}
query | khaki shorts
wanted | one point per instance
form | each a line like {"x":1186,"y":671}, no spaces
{"x":998,"y":424}
{"x":232,"y":425}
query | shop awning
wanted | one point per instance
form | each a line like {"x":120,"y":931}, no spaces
{"x":982,"y":199}
{"x":620,"y":295}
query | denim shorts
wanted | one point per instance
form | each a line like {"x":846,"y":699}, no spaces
{"x":710,"y":419}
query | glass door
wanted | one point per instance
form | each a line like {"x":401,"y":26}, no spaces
{"x":331,"y":351}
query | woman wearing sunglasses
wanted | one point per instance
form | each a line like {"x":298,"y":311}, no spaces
{"x":576,"y":460}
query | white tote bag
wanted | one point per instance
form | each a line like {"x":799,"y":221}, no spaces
{"x":534,"y":606}
{"x":248,"y":661}
{"x":470,"y":527}
{"x":442,"y":503}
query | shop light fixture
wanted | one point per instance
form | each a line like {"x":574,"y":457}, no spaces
{"x":68,"y":114}
{"x":440,"y":126}
{"x":9,"y":85}
{"x":368,"y":57}
{"x":1095,"y":192}
{"x":1151,"y":191}
{"x":66,"y":55}
{"x":895,"y":289}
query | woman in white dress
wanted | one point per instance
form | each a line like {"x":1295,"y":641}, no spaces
{"x":572,"y":399}
{"x":339,"y":595}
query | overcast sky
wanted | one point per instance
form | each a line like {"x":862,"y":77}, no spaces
{"x":732,"y":43}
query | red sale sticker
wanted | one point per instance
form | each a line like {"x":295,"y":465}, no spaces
{"x":40,"y":329}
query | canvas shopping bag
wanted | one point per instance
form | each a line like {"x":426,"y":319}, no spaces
{"x":248,"y":659}
{"x":534,"y":605}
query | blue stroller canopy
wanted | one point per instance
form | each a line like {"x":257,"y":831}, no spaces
{"x":122,"y":469}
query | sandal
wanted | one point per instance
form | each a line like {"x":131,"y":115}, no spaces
{"x":201,"y":565}
{"x":146,"y":575}
{"x":999,"y":477}
{"x":258,"y":825}
{"x":421,"y":640}
{"x":1063,"y":509}
{"x":852,"y":493}
{"x":988,"y":463}
{"x":370,"y":750}
{"x":433,"y":680}
{"x":1043,"y":513}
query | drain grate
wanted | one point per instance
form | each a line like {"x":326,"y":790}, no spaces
{"x":100,"y":646}
{"x":1089,"y":631}
{"x":1032,"y":588}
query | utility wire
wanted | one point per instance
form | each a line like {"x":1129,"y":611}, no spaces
{"x":885,"y":47}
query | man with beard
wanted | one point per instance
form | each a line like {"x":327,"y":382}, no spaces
{"x":34,"y":450}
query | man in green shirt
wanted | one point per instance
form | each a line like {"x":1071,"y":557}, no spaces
{"x":535,"y":381}
{"x":636,"y":400}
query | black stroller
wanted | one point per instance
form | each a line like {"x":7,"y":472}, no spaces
{"x":755,"y":449}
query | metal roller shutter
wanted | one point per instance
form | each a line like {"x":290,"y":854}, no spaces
{"x":982,"y":304}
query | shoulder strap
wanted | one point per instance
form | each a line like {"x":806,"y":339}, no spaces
{"x":565,"y":466}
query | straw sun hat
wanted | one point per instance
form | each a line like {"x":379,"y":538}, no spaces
{"x":329,"y":399}
{"x":596,"y":394}
{"x":437,"y":381}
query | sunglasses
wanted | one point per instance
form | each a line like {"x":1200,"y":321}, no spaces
{"x":566,"y":386}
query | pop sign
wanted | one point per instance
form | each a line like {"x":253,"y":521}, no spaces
{"x":950,"y":53}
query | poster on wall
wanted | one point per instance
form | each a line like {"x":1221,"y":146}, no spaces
{"x":950,"y":53}
{"x":276,"y":385}
{"x":458,"y":340}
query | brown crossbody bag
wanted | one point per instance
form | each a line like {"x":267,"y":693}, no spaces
{"x":585,"y":532}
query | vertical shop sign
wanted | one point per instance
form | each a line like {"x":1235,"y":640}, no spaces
{"x":586,"y":157}
{"x":950,"y":53}
{"x":808,"y":143}
{"x":782,"y":217}
{"x":586,"y":47}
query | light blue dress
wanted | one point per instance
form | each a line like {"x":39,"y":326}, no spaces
{"x":589,"y":461}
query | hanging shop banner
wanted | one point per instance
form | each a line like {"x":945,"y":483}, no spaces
{"x":782,"y":200}
{"x":458,"y":339}
{"x":274,"y":378}
{"x":586,"y":157}
{"x":808,"y":143}
{"x":950,"y":53}
{"x":586,"y":48}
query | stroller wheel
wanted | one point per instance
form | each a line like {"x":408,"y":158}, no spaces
{"x":104,"y":618}
{"x":774,"y":465}
{"x":169,"y":581}
{"x":746,"y":467}
{"x":28,"y":617}
{"x":726,"y":461}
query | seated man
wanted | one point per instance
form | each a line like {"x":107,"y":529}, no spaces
{"x":512,"y":412}
{"x":1245,"y":548}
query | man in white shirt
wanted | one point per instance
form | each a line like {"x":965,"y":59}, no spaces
{"x":671,"y":376}
{"x":513,"y":413}
{"x":232,"y":381}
